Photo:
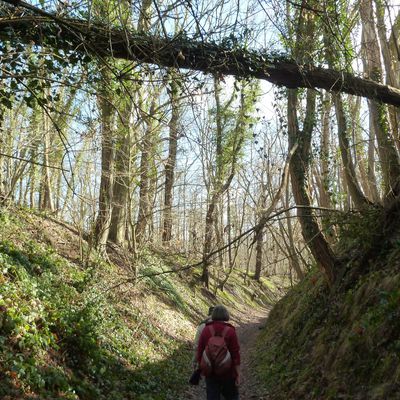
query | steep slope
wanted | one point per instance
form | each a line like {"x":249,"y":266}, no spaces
{"x":344,"y":342}
{"x":73,"y":326}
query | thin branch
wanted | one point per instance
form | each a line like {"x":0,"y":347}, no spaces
{"x":33,"y":162}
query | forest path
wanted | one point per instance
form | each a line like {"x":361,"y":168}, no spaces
{"x":248,"y":323}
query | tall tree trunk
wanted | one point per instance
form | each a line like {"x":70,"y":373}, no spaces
{"x":357,"y":196}
{"x":259,"y":233}
{"x":46,"y":193}
{"x":388,"y":59}
{"x":2,"y":166}
{"x":371,"y":160}
{"x":325,"y":184}
{"x":153,"y":182}
{"x":171,"y":161}
{"x":372,"y":66}
{"x":299,"y":167}
{"x":215,"y":187}
{"x":209,"y":229}
{"x":207,"y":247}
{"x":226,"y":164}
{"x":32,"y":178}
{"x":259,"y":254}
{"x":103,"y":220}
{"x":122,"y":176}
{"x":361,"y":155}
{"x":146,"y":164}
{"x":294,"y":260}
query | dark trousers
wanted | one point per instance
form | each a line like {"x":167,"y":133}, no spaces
{"x":225,"y":388}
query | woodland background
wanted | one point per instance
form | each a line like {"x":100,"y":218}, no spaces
{"x":138,"y":154}
{"x":157,"y":157}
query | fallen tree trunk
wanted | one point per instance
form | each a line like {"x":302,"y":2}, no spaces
{"x":43,"y":28}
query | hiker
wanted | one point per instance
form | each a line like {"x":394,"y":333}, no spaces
{"x":218,"y":354}
{"x":198,"y":333}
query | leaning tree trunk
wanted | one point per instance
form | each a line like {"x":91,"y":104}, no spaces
{"x":99,"y":40}
{"x":299,"y":167}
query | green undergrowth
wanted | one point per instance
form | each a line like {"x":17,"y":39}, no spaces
{"x":340,"y":343}
{"x":75,"y":330}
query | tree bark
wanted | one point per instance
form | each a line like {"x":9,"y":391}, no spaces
{"x":103,"y":220}
{"x":361,"y":151}
{"x":122,"y":173}
{"x":372,"y":65}
{"x":259,"y":233}
{"x":171,"y":161}
{"x":259,"y":254}
{"x":145,"y":200}
{"x":389,"y":63}
{"x":299,"y":167}
{"x":101,"y":40}
{"x":357,"y":196}
{"x":46,"y":193}
{"x":217,"y":188}
{"x":2,"y":189}
{"x":324,"y":179}
{"x":294,"y":260}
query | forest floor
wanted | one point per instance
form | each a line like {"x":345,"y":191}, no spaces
{"x":248,"y":324}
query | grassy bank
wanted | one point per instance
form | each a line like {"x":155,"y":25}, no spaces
{"x":344,"y":342}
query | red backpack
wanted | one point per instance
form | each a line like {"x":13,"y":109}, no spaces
{"x":216,"y":358}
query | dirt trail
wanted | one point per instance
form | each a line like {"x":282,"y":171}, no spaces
{"x":248,"y":326}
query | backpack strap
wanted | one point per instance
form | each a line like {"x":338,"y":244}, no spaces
{"x":225,"y":331}
{"x":212,"y":330}
{"x":213,"y":333}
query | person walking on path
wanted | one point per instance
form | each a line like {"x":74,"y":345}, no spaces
{"x":218,"y":338}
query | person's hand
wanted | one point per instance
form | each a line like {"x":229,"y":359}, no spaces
{"x":237,"y":381}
